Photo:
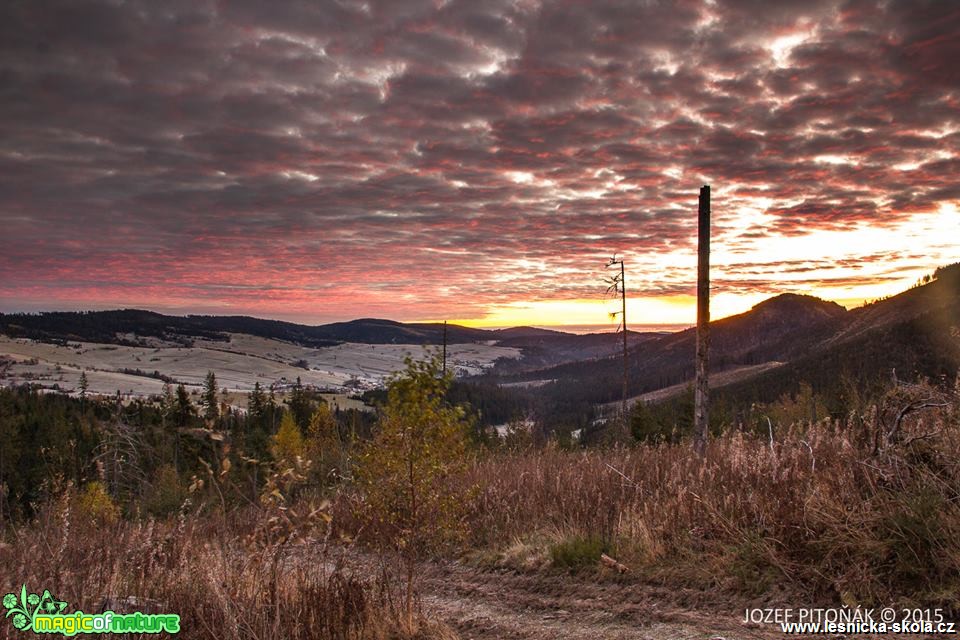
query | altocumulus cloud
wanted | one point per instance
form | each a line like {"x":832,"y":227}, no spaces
{"x":317,"y":160}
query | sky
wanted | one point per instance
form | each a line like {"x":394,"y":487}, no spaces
{"x":477,"y":161}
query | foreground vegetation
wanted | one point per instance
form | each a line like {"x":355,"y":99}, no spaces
{"x":848,"y":511}
{"x":214,"y":571}
{"x":226,"y":518}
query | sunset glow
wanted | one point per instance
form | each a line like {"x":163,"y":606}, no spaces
{"x":472,"y":161}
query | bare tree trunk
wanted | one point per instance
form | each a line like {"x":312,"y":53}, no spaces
{"x":414,"y":528}
{"x":702,"y":400}
{"x":409,"y":594}
{"x":623,"y":293}
{"x":3,"y":494}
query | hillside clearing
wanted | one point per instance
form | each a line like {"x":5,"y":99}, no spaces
{"x":717,"y":380}
{"x":239,"y":363}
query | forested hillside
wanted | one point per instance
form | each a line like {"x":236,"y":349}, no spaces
{"x":913,"y":333}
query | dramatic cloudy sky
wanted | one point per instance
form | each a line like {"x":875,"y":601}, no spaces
{"x":478,"y":160}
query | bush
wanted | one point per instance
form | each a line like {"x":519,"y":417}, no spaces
{"x":287,"y":444}
{"x":166,"y":495}
{"x":95,"y":504}
{"x":577,"y":552}
{"x":411,"y":498}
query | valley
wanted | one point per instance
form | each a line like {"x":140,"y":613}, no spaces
{"x":239,"y":363}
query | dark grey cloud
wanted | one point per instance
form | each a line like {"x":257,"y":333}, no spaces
{"x":407,"y":156}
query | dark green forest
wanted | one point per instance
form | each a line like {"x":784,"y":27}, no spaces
{"x":147,"y":452}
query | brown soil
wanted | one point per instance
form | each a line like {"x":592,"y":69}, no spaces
{"x":488,"y":605}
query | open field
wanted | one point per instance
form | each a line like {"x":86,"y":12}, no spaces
{"x":238,"y":364}
{"x":717,"y":380}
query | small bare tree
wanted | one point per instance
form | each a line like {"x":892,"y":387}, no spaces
{"x":406,"y":473}
{"x":617,"y":284}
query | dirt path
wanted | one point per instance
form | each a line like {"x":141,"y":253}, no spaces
{"x":485,"y":605}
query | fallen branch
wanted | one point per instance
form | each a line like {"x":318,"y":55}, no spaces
{"x":894,"y":432}
{"x":613,"y":564}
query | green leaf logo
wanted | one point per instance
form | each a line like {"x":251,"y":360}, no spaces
{"x":26,"y":606}
{"x":50,"y":605}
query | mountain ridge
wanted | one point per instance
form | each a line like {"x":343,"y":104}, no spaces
{"x":794,"y":329}
{"x":813,"y":338}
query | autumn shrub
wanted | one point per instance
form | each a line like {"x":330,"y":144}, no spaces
{"x":411,"y":497}
{"x":95,"y":504}
{"x":288,"y":443}
{"x":166,"y":494}
{"x":576,"y":552}
{"x":326,"y":448}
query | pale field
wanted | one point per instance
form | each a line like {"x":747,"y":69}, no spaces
{"x":238,"y":364}
{"x":717,"y":380}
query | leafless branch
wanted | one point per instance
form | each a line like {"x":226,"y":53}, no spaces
{"x":906,"y":410}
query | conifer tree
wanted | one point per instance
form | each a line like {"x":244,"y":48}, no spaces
{"x":288,"y":444}
{"x":256,"y":407}
{"x":84,"y":386}
{"x":272,"y":408}
{"x":168,"y":404}
{"x":300,"y":405}
{"x":211,"y":409}
{"x":184,"y":408}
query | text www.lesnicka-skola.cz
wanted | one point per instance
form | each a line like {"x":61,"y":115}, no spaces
{"x":856,"y":620}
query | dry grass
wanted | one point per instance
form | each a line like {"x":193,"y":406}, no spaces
{"x":208,"y":570}
{"x":863,"y":511}
{"x":831,"y":508}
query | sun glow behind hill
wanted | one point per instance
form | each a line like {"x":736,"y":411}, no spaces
{"x":847,"y":266}
{"x":653,"y":313}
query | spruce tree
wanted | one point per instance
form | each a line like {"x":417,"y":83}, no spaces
{"x":256,"y":407}
{"x":260,"y":410}
{"x":184,"y":408}
{"x":84,"y":385}
{"x":211,"y":408}
{"x":300,"y":405}
{"x":168,"y":403}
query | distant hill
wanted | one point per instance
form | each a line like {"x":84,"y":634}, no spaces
{"x":377,"y":331}
{"x":917,"y":333}
{"x":914,"y":332}
{"x":541,"y":347}
{"x":553,"y":348}
{"x":117,"y":326}
{"x":528,"y":332}
{"x":104,"y":326}
{"x":777,"y":329}
{"x":120,"y":327}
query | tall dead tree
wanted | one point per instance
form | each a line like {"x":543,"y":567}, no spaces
{"x":701,"y":409}
{"x":618,"y":284}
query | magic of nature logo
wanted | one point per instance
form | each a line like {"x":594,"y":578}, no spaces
{"x":43,"y":613}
